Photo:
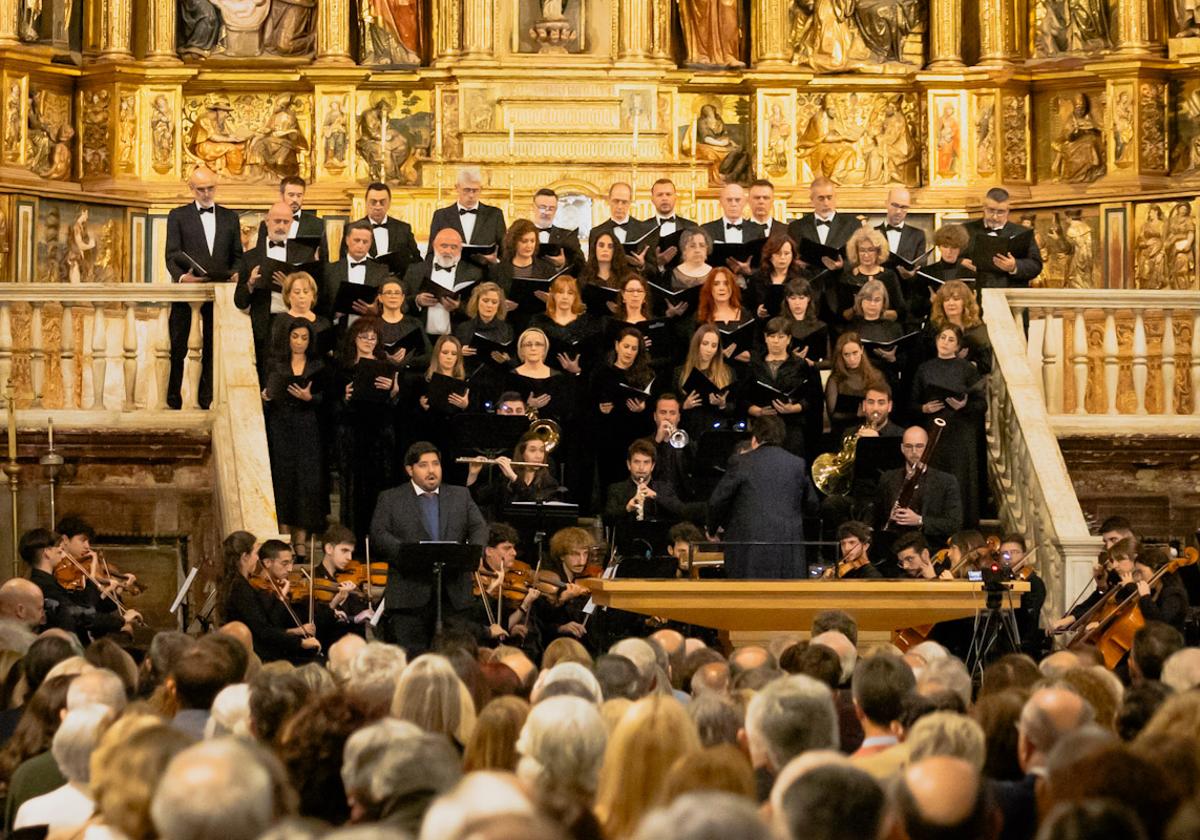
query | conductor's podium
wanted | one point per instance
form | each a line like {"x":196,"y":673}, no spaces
{"x":766,"y":606}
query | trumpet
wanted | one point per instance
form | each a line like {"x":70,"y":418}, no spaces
{"x":677,"y":438}
{"x":479,"y":459}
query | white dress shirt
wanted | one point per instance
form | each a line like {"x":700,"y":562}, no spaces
{"x":295,"y":228}
{"x":543,"y":235}
{"x":665,"y":228}
{"x":382,"y":244}
{"x":421,"y":491}
{"x":467,"y":220}
{"x":208,"y":221}
{"x":64,"y":807}
{"x":893,"y":237}
{"x":621,"y":232}
{"x":276,"y":252}
{"x":732,"y":234}
{"x":437,"y":317}
{"x":823,"y":230}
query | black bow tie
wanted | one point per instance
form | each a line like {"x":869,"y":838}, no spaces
{"x":889,"y":228}
{"x":277,"y":244}
{"x":822,"y":224}
{"x":208,"y":209}
{"x":462,"y":211}
{"x":375,"y":226}
{"x":621,"y":225}
{"x":729,"y":226}
{"x":445,"y":267}
{"x":670,"y":219}
{"x":357,"y":264}
{"x":296,"y":216}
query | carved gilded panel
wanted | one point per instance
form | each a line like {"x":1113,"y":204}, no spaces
{"x":947,"y":149}
{"x":127,"y":131}
{"x":1164,"y":251}
{"x":776,"y":150}
{"x":836,"y":36}
{"x":15,"y":100}
{"x":987,"y":127}
{"x":250,"y":137}
{"x":1122,"y":124}
{"x":1071,"y":142}
{"x":334,"y":137}
{"x":394,"y":134}
{"x":96,"y":117}
{"x":1185,"y":138}
{"x":1152,"y":105}
{"x":1014,"y":117}
{"x":859,"y":139}
{"x":161,"y":129}
{"x":715,"y":132}
{"x":50,"y":135}
{"x":1069,"y":239}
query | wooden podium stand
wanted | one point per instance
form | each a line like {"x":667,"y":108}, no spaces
{"x":766,"y":606}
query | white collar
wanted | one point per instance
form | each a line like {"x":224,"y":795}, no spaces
{"x":422,"y":492}
{"x":828,"y":218}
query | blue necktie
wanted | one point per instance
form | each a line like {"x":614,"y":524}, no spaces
{"x":429,"y":513}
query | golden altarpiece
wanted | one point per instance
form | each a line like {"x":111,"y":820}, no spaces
{"x":1087,"y":111}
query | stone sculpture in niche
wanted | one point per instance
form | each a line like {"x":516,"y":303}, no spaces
{"x":1079,"y":145}
{"x":1180,"y":247}
{"x":1149,"y":254}
{"x":712,"y":32}
{"x":255,"y":138}
{"x":199,"y":28}
{"x":275,"y":148}
{"x":832,"y":36}
{"x":391,"y":32}
{"x":246,"y":28}
{"x":333,"y":135}
{"x":162,"y":135}
{"x":49,"y":135}
{"x":214,"y":141}
{"x":1072,"y":27}
{"x":1081,"y":260}
{"x":727,"y":160}
{"x":858,"y":139}
{"x":1185,"y":18}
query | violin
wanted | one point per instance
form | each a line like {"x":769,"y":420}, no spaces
{"x":356,"y":573}
{"x":976,"y":557}
{"x":72,"y":577}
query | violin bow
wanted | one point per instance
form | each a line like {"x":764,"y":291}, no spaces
{"x":370,"y":597}
{"x":112,"y":596}
{"x":312,"y":570}
{"x":487,"y":607}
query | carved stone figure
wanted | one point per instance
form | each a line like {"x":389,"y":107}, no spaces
{"x":827,"y":141}
{"x":1081,"y":262}
{"x":127,"y":120}
{"x":162,"y":135}
{"x":1073,"y":27}
{"x":12,"y":122}
{"x":199,"y":28}
{"x":1180,"y":246}
{"x":333,"y":133}
{"x":884,"y":24}
{"x":49,"y":135}
{"x":553,"y":31}
{"x":727,"y":161}
{"x":276,"y":147}
{"x":290,"y":28}
{"x":391,"y":32}
{"x":1150,"y":251}
{"x":30,"y":23}
{"x":985,"y":140}
{"x":1079,"y":146}
{"x":214,"y":142}
{"x":858,"y":139}
{"x":81,"y":249}
{"x":713,"y":32}
{"x":1122,"y":128}
{"x":96,"y":121}
{"x":243,"y":20}
{"x":109,"y":259}
{"x":1185,"y":18}
{"x":779,"y":130}
{"x":826,"y":36}
{"x":948,"y":142}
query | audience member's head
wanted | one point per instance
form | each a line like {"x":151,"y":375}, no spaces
{"x":704,"y":815}
{"x":847,"y":653}
{"x":1048,"y":715}
{"x":879,"y":687}
{"x":997,"y":714}
{"x":372,"y":673}
{"x":790,"y":716}
{"x":718,"y":719}
{"x":1013,"y":670}
{"x":941,"y":797}
{"x":618,"y":677}
{"x":561,"y":747}
{"x":832,"y":802}
{"x":1153,"y":645}
{"x":430,"y":694}
{"x":493,"y":742}
{"x":722,"y":767}
{"x":1181,"y":671}
{"x":948,"y":674}
{"x":838,"y":620}
{"x":947,"y":733}
{"x":1091,"y":819}
{"x":221,"y":788}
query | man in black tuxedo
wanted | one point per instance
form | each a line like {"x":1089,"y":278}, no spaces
{"x":675,"y":463}
{"x":256,"y":292}
{"x":476,"y":223}
{"x":664,"y":197}
{"x":621,"y":225}
{"x":731,"y":227}
{"x":420,"y":510}
{"x":353,"y":267}
{"x":1006,"y":270}
{"x":389,"y":236}
{"x":903,"y":239}
{"x":761,"y":498}
{"x":305,"y":223}
{"x":204,"y":244}
{"x":545,"y":207}
{"x":761,"y":199}
{"x":825,"y":224}
{"x":936,"y":507}
{"x":445,"y":268}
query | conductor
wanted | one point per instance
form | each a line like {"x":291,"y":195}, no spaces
{"x":422,"y":510}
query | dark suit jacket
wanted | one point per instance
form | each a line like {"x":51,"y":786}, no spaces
{"x":937,"y":500}
{"x":335,"y":276}
{"x":666,"y":504}
{"x":185,"y":233}
{"x":400,"y":241}
{"x":1018,"y":804}
{"x":750,"y":230}
{"x":633,"y":229}
{"x":258,"y":301}
{"x":489,"y":224}
{"x":776,"y":228}
{"x":418,"y":273}
{"x":267,"y":620}
{"x":311,"y":226}
{"x":912,"y":241}
{"x":762,"y":497}
{"x":398,"y":520}
{"x":569,"y":240}
{"x":841,"y":228}
{"x":1029,"y":264}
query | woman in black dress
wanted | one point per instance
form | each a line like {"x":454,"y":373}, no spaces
{"x":766,"y":287}
{"x":486,"y":322}
{"x":949,"y":387}
{"x":619,"y":414}
{"x":955,"y":304}
{"x":785,"y":374}
{"x":366,"y":442}
{"x":540,"y":385}
{"x":951,"y":241}
{"x":872,"y":327}
{"x":300,"y":297}
{"x":295,"y":389}
{"x":852,"y":374}
{"x":721,"y":305}
{"x":606,"y":268}
{"x":705,"y":407}
{"x":402,"y":339}
{"x":519,"y":484}
{"x":435,"y":413}
{"x":519,"y":263}
{"x":866,"y":252}
{"x":810,"y":346}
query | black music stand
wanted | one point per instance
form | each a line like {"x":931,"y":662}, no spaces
{"x":431,"y":560}
{"x":541,"y":516}
{"x":488,"y":434}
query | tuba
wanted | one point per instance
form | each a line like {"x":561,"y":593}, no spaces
{"x":546,"y":430}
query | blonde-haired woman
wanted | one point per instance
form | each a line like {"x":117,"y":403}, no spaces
{"x":300,"y":298}
{"x":487,"y":339}
{"x":955,"y":304}
{"x":650,"y":736}
{"x":703,"y":406}
{"x":866,"y":253}
{"x":430,"y":694}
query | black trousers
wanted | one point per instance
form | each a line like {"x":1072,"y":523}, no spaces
{"x":178,"y":327}
{"x":413,"y":628}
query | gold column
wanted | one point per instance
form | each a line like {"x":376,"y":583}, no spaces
{"x":478,"y":30}
{"x":115,"y":29}
{"x":1000,"y":23}
{"x":635,"y":30}
{"x":447,"y":29}
{"x":160,"y":32}
{"x":9,"y":10}
{"x":333,"y":32}
{"x":1139,"y":27}
{"x":769,"y":33}
{"x":660,"y":30}
{"x":945,"y":33}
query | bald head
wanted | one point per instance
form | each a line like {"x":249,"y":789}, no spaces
{"x":942,"y":794}
{"x":1058,"y":663}
{"x":899,"y":201}
{"x":712,"y":678}
{"x":239,"y":631}
{"x":202,"y":183}
{"x":21,"y":600}
{"x":749,"y":657}
{"x":342,"y":653}
{"x":913,"y":443}
{"x":1048,"y":715}
{"x":447,"y":246}
{"x":733,"y":199}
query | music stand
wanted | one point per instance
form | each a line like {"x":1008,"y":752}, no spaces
{"x":488,"y":434}
{"x":432,"y":560}
{"x":537,"y":515}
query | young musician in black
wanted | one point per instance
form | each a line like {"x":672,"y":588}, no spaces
{"x":347,"y":610}
{"x":277,"y":628}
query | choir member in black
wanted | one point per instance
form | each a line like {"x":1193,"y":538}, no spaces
{"x":394,"y":328}
{"x":563,"y":617}
{"x":852,"y":374}
{"x":511,"y":483}
{"x":300,"y":298}
{"x":264,"y":611}
{"x":606,"y":268}
{"x":634,"y":306}
{"x":824,"y":224}
{"x":866,"y":252}
{"x":1013,"y":269}
{"x":810,"y":345}
{"x":355,"y":269}
{"x":948,"y":387}
{"x":663,"y":195}
{"x":348,"y":610}
{"x":674,"y":461}
{"x":620,"y":415}
{"x":448,"y":270}
{"x":913,"y":560}
{"x":545,"y":389}
{"x":1013,"y":552}
{"x":487,"y":318}
{"x":854,"y":545}
{"x":777,"y":269}
{"x":706,"y":407}
{"x":366,"y":442}
{"x":870,"y":325}
{"x":761,"y":199}
{"x":296,"y":382}
{"x":434,"y":417}
{"x":620,"y":224}
{"x":950,"y":241}
{"x":779,"y":369}
{"x":545,"y":208}
{"x":305,"y":223}
{"x":389,"y":237}
{"x":255,"y":294}
{"x":519,"y":262}
{"x":81,"y":612}
{"x":694,"y":246}
{"x":721,"y":305}
{"x":955,"y":304}
{"x":640,"y":496}
{"x":476,"y":223}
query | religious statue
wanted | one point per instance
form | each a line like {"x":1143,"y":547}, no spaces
{"x":49,"y":136}
{"x":885,"y":24}
{"x":985,"y":140}
{"x":108,"y":260}
{"x":713,"y":32}
{"x":1079,"y":146}
{"x":290,"y":29}
{"x":162,"y":134}
{"x":553,"y":31}
{"x":275,"y":148}
{"x":214,"y":142}
{"x":95,"y":131}
{"x":81,"y":249}
{"x":391,"y":32}
{"x":51,"y":257}
{"x":1081,"y":261}
{"x":1072,"y":27}
{"x":948,"y":142}
{"x":779,"y":129}
{"x":1185,"y":16}
{"x":827,"y":140}
{"x":333,"y":133}
{"x":382,"y":146}
{"x":199,"y":28}
{"x":243,"y":20}
{"x":30,"y":23}
{"x":1180,"y":246}
{"x":1123,"y":140}
{"x":727,"y":161}
{"x":12,"y":122}
{"x":1149,"y":268}
{"x":826,"y":36}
